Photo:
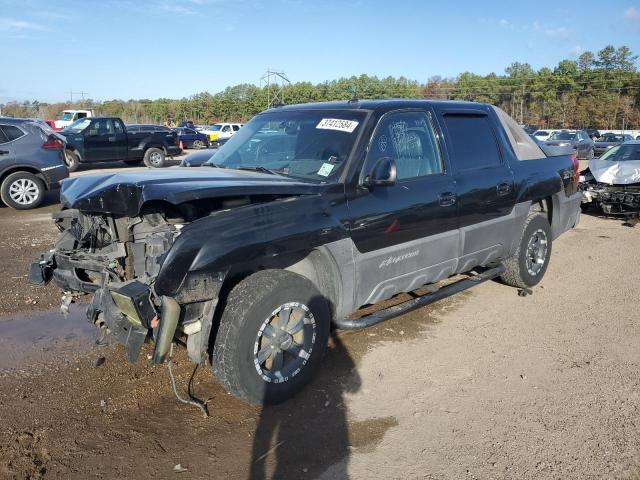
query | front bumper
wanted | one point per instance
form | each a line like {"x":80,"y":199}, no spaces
{"x":613,"y":199}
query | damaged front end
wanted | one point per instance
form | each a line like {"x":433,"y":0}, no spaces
{"x":612,"y":199}
{"x":117,"y":259}
{"x":612,"y":181}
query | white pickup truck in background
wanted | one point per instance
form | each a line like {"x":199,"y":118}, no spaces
{"x":70,"y":116}
{"x":221,"y":131}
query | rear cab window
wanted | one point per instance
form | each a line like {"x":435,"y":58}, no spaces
{"x":119,"y":128}
{"x":473,"y":141}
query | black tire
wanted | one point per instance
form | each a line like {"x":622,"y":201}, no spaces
{"x":198,"y":144}
{"x":22,"y":191}
{"x":72,"y":160}
{"x":243,"y":335}
{"x":521,"y":273}
{"x":133,"y":163}
{"x":154,"y":157}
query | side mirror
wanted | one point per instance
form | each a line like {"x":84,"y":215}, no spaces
{"x":383,"y":174}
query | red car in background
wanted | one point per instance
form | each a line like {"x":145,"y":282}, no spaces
{"x":52,"y":125}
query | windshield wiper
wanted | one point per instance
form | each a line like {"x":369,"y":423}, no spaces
{"x":261,"y":169}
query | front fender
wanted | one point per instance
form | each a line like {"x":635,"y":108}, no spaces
{"x":211,"y":246}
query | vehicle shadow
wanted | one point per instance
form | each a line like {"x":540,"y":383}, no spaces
{"x":627,"y":219}
{"x":308,"y":434}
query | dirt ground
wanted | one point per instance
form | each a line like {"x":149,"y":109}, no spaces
{"x":486,"y":384}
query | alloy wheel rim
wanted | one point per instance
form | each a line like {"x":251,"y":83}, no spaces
{"x":284,"y":342}
{"x":155,"y":158}
{"x":68,"y":159}
{"x":24,"y":191}
{"x":537,"y":248}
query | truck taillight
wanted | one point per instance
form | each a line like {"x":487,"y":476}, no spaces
{"x":576,"y":168}
{"x":53,"y":143}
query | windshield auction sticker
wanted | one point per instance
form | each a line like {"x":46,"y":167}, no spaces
{"x":337,"y":124}
{"x":325,"y":169}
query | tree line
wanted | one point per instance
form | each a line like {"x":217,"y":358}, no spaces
{"x":599,"y":90}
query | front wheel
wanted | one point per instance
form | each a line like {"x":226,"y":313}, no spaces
{"x":154,"y":157}
{"x":22,"y":191}
{"x":198,"y":144}
{"x":529,"y":264}
{"x":272,"y":337}
{"x":72,"y":160}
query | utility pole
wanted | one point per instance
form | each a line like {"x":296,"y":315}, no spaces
{"x":275,"y":82}
{"x":82,"y":93}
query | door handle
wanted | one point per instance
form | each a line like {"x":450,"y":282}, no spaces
{"x":4,"y":152}
{"x":112,"y":139}
{"x":503,"y":189}
{"x":447,"y":199}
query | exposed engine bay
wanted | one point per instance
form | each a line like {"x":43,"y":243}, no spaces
{"x":613,"y":199}
{"x":117,"y":259}
{"x":612,"y":181}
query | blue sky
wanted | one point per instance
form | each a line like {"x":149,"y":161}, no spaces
{"x":164,"y":48}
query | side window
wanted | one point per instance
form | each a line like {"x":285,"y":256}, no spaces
{"x":80,"y":115}
{"x":11,"y":132}
{"x":3,"y":138}
{"x":409,"y":139}
{"x":103,"y":127}
{"x":118,"y":126}
{"x":226,"y":128}
{"x":188,"y":131}
{"x":472,"y":141}
{"x":235,"y":128}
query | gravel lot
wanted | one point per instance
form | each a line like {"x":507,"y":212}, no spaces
{"x":486,"y":384}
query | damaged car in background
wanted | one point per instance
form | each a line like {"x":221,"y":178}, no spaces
{"x":612,"y":182}
{"x":307,"y":214}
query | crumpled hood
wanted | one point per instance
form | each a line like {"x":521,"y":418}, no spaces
{"x":615,"y":173}
{"x":124,"y":193}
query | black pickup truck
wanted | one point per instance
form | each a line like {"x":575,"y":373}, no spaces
{"x":307,"y":214}
{"x":106,"y":139}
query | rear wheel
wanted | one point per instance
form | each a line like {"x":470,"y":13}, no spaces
{"x":72,"y":160}
{"x":272,"y":337}
{"x":154,"y":157}
{"x":22,"y":191}
{"x":198,"y":144}
{"x":529,"y":264}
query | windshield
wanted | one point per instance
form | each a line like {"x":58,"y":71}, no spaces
{"x":78,"y":125}
{"x":562,"y":136}
{"x":623,"y":153}
{"x":311,"y":145}
{"x":214,"y":128}
{"x":67,"y":116}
